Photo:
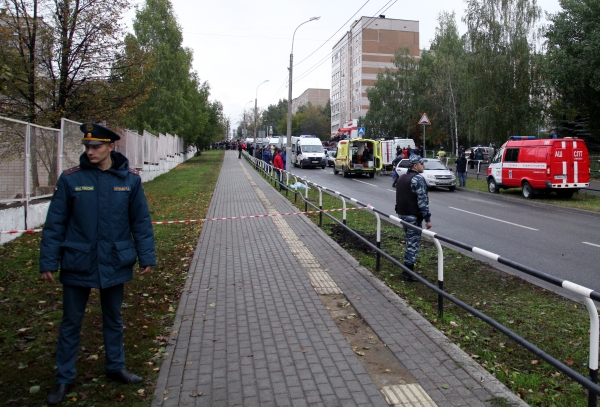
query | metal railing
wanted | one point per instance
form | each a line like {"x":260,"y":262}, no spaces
{"x":587,"y":295}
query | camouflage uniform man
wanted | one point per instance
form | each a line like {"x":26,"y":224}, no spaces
{"x":412,"y":205}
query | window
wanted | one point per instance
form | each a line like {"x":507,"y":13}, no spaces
{"x":512,"y":155}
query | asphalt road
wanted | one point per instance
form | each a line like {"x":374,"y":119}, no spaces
{"x":558,"y":241}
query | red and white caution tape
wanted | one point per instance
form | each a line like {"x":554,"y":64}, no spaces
{"x":10,"y":232}
{"x":253,"y":216}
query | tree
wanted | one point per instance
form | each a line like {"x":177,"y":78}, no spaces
{"x":441,"y":73}
{"x":392,"y":98}
{"x":64,"y":58}
{"x":273,"y":116}
{"x":573,"y":40}
{"x":503,"y":94}
{"x":312,"y":120}
{"x":177,"y":102}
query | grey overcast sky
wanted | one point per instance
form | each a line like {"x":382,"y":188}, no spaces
{"x":238,"y":44}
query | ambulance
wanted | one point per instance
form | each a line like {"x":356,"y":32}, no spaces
{"x":357,"y":156}
{"x":308,"y":152}
{"x":540,"y":166}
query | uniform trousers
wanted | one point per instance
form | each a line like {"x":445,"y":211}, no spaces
{"x":413,"y":238}
{"x":74,"y":303}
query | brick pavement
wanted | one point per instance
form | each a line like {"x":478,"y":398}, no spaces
{"x":251,"y":329}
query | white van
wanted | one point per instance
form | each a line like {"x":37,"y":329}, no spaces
{"x":307,"y":152}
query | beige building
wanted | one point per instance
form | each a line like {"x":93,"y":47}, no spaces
{"x":362,"y":52}
{"x":317,"y":97}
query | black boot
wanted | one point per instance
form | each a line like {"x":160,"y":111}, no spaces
{"x":57,"y":394}
{"x":406,"y":276}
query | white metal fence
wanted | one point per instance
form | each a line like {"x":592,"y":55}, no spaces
{"x":32,"y":157}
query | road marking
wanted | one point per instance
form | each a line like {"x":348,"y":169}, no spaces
{"x":391,"y":190}
{"x":498,"y":220}
{"x":373,"y":185}
{"x":486,"y":202}
{"x":591,"y":244}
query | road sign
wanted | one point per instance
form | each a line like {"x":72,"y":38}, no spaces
{"x":424,"y":119}
{"x":361,"y":131}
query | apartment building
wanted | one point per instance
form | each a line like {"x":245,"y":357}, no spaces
{"x":367,"y":48}
{"x":317,"y":97}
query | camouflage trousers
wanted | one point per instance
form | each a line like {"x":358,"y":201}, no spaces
{"x":413,"y":238}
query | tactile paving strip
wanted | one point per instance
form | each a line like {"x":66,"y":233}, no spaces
{"x":407,"y":395}
{"x":318,"y":276}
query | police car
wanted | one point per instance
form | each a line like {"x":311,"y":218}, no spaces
{"x":436,"y":174}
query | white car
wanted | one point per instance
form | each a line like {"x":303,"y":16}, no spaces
{"x":436,"y":173}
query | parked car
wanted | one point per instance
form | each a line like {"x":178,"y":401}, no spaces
{"x":488,"y":153}
{"x":330,"y":158}
{"x":436,"y":173}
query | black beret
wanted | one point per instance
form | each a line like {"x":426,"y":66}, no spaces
{"x":95,"y":133}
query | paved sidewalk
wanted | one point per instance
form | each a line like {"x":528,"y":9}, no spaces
{"x":251,"y":329}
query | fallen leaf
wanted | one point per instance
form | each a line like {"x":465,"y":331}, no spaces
{"x":34,"y":389}
{"x":445,"y":386}
{"x":569,"y":361}
{"x":212,"y":304}
{"x":534,"y":362}
{"x":92,"y":358}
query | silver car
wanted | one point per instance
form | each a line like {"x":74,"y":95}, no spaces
{"x":436,"y":173}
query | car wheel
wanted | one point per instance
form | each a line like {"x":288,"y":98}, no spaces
{"x":335,"y":172}
{"x":492,"y":187}
{"x":302,"y":164}
{"x":372,"y":174}
{"x":527,"y":190}
{"x":323,"y":167}
{"x":346,"y":174}
{"x":452,"y":188}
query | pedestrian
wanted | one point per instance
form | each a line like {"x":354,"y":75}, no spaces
{"x":266,"y":157}
{"x":461,"y":150}
{"x":240,"y":150}
{"x":394,"y":165}
{"x":461,"y":170}
{"x":405,"y":152}
{"x":97,"y":224}
{"x":412,"y":205}
{"x":284,"y":157}
{"x":279,"y":164}
{"x":479,"y":157}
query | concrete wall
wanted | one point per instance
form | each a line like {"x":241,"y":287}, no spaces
{"x":14,"y":218}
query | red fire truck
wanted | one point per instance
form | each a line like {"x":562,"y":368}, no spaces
{"x":540,"y":165}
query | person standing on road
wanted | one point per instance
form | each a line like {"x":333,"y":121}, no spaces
{"x":412,"y":205}
{"x":461,"y":170}
{"x":240,"y":148}
{"x":98,"y":223}
{"x":284,"y":156}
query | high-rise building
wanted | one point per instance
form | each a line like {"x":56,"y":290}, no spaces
{"x":316,"y":97}
{"x":365,"y":50}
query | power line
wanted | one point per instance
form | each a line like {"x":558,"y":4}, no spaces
{"x":318,"y":64}
{"x":338,"y":30}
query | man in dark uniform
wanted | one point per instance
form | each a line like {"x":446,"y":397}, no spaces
{"x":412,"y":205}
{"x":98,"y":223}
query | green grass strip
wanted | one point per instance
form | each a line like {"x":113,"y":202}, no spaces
{"x":31,"y":310}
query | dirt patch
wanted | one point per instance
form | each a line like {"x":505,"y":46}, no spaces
{"x":378,"y":360}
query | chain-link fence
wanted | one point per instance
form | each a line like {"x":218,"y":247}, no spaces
{"x":32,"y":157}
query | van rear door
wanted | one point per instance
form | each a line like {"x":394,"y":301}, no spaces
{"x":569,"y":162}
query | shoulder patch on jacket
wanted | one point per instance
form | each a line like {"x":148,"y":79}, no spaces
{"x":134,"y":172}
{"x":72,"y":170}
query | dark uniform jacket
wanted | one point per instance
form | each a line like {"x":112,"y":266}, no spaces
{"x":97,"y":224}
{"x":412,"y":196}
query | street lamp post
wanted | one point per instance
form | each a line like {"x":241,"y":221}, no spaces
{"x":288,"y":143}
{"x":255,"y":109}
